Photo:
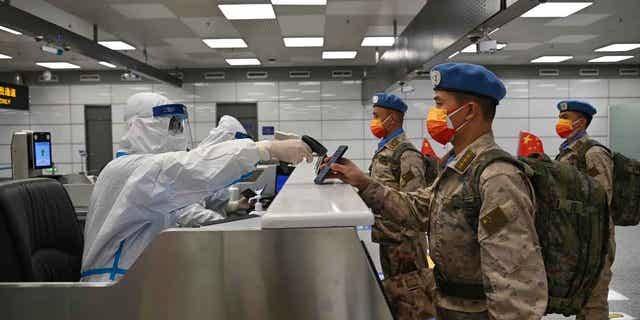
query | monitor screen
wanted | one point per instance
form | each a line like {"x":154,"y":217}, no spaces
{"x":42,"y":154}
{"x":13,"y":96}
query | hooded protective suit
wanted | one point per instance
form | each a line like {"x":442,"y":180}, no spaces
{"x":149,"y":190}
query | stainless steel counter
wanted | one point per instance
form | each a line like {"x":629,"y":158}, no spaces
{"x":198,"y":274}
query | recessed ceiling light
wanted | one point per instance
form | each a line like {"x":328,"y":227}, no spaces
{"x":454,"y":54}
{"x":116,"y":45}
{"x":378,"y":41}
{"x":619,"y":47}
{"x":610,"y":59}
{"x":303,"y":42}
{"x":107,"y":64}
{"x":10,"y":30}
{"x":327,"y":55}
{"x":300,"y":2}
{"x":243,"y":62}
{"x":58,"y":65}
{"x":225,"y":43}
{"x":551,"y":59}
{"x":247,"y":11}
{"x":556,"y":9}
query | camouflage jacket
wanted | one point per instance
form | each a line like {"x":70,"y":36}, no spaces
{"x":502,"y":253}
{"x":403,"y":249}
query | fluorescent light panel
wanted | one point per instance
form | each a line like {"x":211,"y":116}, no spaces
{"x":378,"y":41}
{"x":551,"y":59}
{"x":610,"y":59}
{"x":247,"y":11}
{"x":619,"y":47}
{"x":225,"y":43}
{"x":116,"y":45}
{"x":300,"y":2}
{"x":5,"y":57}
{"x":470,"y":49}
{"x":454,"y":54}
{"x":107,"y":64}
{"x":243,"y":62}
{"x":556,"y":9}
{"x":293,"y":42}
{"x":10,"y":30}
{"x":58,"y":65}
{"x":330,"y":55}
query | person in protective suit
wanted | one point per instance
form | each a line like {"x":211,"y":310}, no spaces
{"x":156,"y":181}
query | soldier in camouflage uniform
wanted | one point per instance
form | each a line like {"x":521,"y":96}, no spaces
{"x":403,"y":250}
{"x":594,"y":160}
{"x":488,"y":263}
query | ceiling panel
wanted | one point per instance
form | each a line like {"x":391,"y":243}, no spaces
{"x":172,"y":31}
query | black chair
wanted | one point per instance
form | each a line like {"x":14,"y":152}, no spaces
{"x":40,"y":238}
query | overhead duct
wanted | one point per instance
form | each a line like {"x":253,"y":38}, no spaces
{"x":30,"y":24}
{"x":440,"y":29}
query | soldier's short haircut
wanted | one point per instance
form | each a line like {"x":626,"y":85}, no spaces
{"x":487,"y":105}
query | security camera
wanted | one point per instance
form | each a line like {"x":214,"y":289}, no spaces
{"x":39,"y":38}
{"x":46,"y":75}
{"x":475,"y":37}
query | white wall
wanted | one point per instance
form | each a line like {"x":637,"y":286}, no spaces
{"x":329,"y":110}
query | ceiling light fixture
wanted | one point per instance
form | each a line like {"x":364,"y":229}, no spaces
{"x":5,"y":57}
{"x":610,"y":59}
{"x":117,"y":45}
{"x":556,"y":9}
{"x":107,"y":64}
{"x":243,"y":62}
{"x":472,"y":48}
{"x":247,"y":11}
{"x":298,"y":42}
{"x":378,"y":41}
{"x":58,"y":65}
{"x":332,"y":55}
{"x":619,"y":47}
{"x":454,"y":55}
{"x":10,"y":30}
{"x":494,"y":31}
{"x":225,"y":43}
{"x":551,"y":59}
{"x":300,"y":2}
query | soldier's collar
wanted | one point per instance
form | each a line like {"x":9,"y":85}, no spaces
{"x":461,"y":163}
{"x":392,"y":140}
{"x":576,"y":142}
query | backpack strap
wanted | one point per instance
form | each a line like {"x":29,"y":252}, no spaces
{"x":471,"y":200}
{"x":400,"y":149}
{"x":488,"y":158}
{"x":582,"y":152}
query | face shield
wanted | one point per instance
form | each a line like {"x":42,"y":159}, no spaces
{"x":175,"y":119}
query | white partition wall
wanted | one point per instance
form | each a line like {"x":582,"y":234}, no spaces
{"x":332,"y":111}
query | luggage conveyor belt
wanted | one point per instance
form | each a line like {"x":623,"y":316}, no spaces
{"x":300,"y":270}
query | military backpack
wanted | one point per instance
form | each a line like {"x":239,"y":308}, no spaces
{"x":430,"y":164}
{"x":571,"y":220}
{"x":625,"y":200}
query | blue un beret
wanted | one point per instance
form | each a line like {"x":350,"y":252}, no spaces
{"x":579,"y":106}
{"x":389,"y":101}
{"x":468,"y":78}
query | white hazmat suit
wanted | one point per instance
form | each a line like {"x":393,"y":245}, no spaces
{"x":149,"y":190}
